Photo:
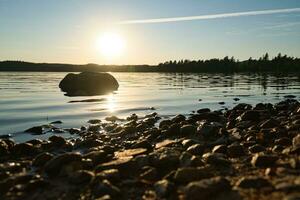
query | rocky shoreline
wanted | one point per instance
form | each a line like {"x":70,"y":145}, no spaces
{"x":248,"y":152}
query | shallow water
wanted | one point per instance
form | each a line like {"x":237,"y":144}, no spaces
{"x":33,"y":98}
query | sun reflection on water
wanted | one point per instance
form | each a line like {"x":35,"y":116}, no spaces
{"x":111,"y":103}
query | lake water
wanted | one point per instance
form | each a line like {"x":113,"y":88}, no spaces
{"x":33,"y":98}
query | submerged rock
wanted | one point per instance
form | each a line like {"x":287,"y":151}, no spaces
{"x":36,"y":130}
{"x":88,"y":83}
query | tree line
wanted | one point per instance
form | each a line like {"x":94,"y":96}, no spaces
{"x":278,"y":64}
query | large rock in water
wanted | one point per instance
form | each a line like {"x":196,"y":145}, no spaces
{"x":88,"y":84}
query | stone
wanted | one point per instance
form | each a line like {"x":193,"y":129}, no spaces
{"x":41,"y":159}
{"x":35,"y":141}
{"x":82,"y":177}
{"x":178,"y":118}
{"x":253,"y":182}
{"x":143,"y":144}
{"x":88,"y":83}
{"x":207,"y":116}
{"x":130,"y":152}
{"x":188,"y":130}
{"x":112,"y":175}
{"x":185,"y":159}
{"x":263,"y":160}
{"x":284,"y":141}
{"x":256,"y":148}
{"x":207,"y":129}
{"x":5,"y":136}
{"x":112,"y":118}
{"x":55,"y":165}
{"x":56,"y":122}
{"x":94,"y":121}
{"x":287,"y":187}
{"x":196,"y":149}
{"x":97,"y":156}
{"x":235,"y":150}
{"x":188,"y":174}
{"x":150,"y":174}
{"x":216,"y":159}
{"x":220,"y":149}
{"x":165,"y":123}
{"x":207,"y":188}
{"x":165,"y":159}
{"x":250,"y":115}
{"x":295,"y":196}
{"x":164,"y":188}
{"x":270,"y":123}
{"x":188,"y":142}
{"x":94,"y":128}
{"x":57,"y":140}
{"x":165,"y":143}
{"x":4,"y":148}
{"x":104,"y":187}
{"x":289,"y":96}
{"x":24,"y":149}
{"x":203,"y":110}
{"x":173,"y":129}
{"x":242,"y":106}
{"x":36,"y":130}
{"x":296,"y":141}
{"x":124,"y":164}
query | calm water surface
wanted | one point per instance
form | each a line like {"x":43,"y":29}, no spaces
{"x":33,"y":98}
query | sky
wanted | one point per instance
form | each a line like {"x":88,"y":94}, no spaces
{"x":67,"y":31}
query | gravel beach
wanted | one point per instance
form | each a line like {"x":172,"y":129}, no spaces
{"x":247,"y":152}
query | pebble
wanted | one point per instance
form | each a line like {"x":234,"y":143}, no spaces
{"x":188,"y":174}
{"x":41,"y":159}
{"x":235,"y":150}
{"x":256,"y":148}
{"x":196,"y":149}
{"x":82,"y":177}
{"x":253,"y":182}
{"x":250,"y":115}
{"x":150,"y":174}
{"x":216,"y":159}
{"x":207,"y":188}
{"x":24,"y":149}
{"x":57,"y":140}
{"x":112,"y":175}
{"x":263,"y":160}
{"x":296,"y":141}
{"x":54,"y":166}
{"x":104,"y":187}
{"x":188,"y":130}
{"x":164,"y":188}
{"x":220,"y":149}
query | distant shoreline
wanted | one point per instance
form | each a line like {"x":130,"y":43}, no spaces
{"x":278,"y":64}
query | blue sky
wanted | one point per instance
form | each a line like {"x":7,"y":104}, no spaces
{"x":66,"y":30}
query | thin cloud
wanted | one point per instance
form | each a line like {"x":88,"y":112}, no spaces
{"x":215,"y":16}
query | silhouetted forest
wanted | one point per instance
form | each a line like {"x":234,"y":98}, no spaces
{"x":278,"y":64}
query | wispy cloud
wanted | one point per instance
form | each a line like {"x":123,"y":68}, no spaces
{"x":214,"y":16}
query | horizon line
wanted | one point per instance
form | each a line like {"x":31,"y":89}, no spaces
{"x":210,"y":16}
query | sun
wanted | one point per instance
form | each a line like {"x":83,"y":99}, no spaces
{"x":111,"y":45}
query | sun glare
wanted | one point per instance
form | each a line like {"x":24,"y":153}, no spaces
{"x":111,"y":45}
